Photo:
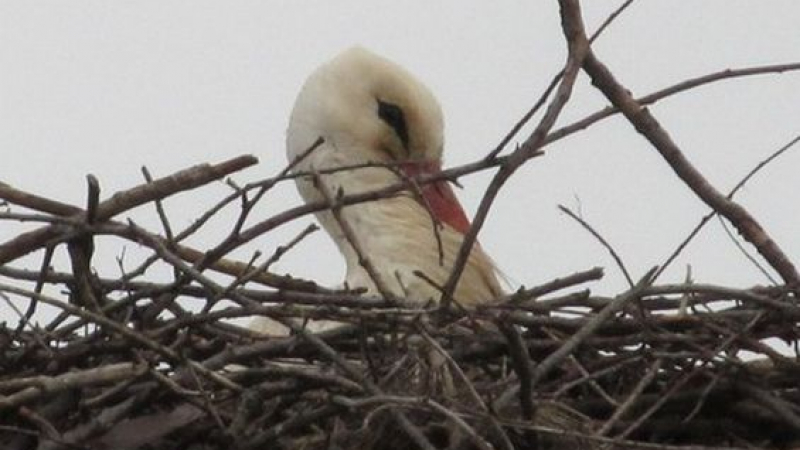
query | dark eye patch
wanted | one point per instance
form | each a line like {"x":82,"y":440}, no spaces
{"x":394,"y":117}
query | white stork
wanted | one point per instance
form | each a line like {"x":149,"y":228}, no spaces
{"x":375,"y":117}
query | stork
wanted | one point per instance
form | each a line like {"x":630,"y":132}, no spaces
{"x":379,"y":126}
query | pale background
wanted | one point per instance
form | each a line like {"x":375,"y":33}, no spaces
{"x":106,"y":87}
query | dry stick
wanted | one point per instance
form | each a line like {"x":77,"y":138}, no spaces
{"x":100,"y":423}
{"x":523,"y":295}
{"x":350,"y":199}
{"x":750,"y":343}
{"x":634,"y":395}
{"x":214,"y":255}
{"x":254,"y":272}
{"x":409,"y":428}
{"x":609,"y":443}
{"x":683,"y":86}
{"x":80,"y":249}
{"x":222,"y":265}
{"x":732,"y":192}
{"x":35,"y":202}
{"x":709,"y":354}
{"x":593,"y":384}
{"x":181,"y":181}
{"x":40,"y":282}
{"x":574,"y":361}
{"x":162,"y":215}
{"x":648,"y":126}
{"x":36,"y":386}
{"x":614,"y":255}
{"x":617,"y":333}
{"x":436,"y":224}
{"x":335,"y":298}
{"x":746,"y":253}
{"x":265,"y":187}
{"x":352,"y":238}
{"x":763,"y":164}
{"x":526,"y":117}
{"x":126,"y":332}
{"x":611,"y":17}
{"x":294,"y":422}
{"x":578,"y":46}
{"x":700,"y":402}
{"x":710,"y":215}
{"x":552,"y":360}
{"x":744,"y":295}
{"x":184,"y":180}
{"x":523,"y":366}
{"x":414,"y":402}
{"x":602,"y":241}
{"x":592,"y":376}
{"x":472,"y":392}
{"x":19,"y":197}
{"x":620,"y":331}
{"x":235,"y":268}
{"x":48,"y":430}
{"x":549,"y":89}
{"x":776,"y":404}
{"x":661,"y":400}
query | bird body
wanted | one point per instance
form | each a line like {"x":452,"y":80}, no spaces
{"x":380,"y":126}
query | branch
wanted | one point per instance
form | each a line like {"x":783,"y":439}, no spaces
{"x":578,"y":45}
{"x":159,"y":189}
{"x":647,"y":125}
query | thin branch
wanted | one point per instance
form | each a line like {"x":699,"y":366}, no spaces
{"x":646,"y":124}
{"x":602,"y":241}
{"x":578,"y":46}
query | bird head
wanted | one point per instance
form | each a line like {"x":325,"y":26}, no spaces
{"x":369,"y":109}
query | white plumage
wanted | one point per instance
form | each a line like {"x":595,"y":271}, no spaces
{"x":341,"y":103}
{"x":370,"y":110}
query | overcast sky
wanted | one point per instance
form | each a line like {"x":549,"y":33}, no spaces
{"x":106,"y":87}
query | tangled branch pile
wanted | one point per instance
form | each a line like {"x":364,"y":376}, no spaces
{"x":123,"y":364}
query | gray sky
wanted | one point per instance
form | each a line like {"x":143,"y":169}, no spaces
{"x":106,"y":87}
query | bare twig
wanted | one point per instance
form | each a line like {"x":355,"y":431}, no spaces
{"x":602,"y":241}
{"x":578,"y":45}
{"x":646,"y":124}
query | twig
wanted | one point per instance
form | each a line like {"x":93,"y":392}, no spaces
{"x":523,"y":295}
{"x":648,"y":126}
{"x":355,"y":242}
{"x":683,"y":86}
{"x":36,"y":386}
{"x":731,"y":193}
{"x":630,"y":401}
{"x":602,"y":241}
{"x":120,"y":202}
{"x":585,"y":331}
{"x":578,"y":46}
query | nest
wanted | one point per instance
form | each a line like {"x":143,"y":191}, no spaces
{"x":122,"y":364}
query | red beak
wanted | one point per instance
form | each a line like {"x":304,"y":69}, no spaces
{"x":438,"y":195}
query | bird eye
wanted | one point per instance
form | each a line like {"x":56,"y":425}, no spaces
{"x":394,"y":117}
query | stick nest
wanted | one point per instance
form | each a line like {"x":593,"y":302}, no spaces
{"x":123,"y":363}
